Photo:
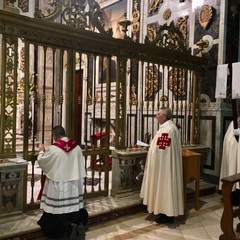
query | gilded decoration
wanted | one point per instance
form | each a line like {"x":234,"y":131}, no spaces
{"x":182,"y":25}
{"x":152,"y":83}
{"x":177,"y":83}
{"x":167,"y":36}
{"x":154,"y":5}
{"x":135,"y":21}
{"x":164,"y":98}
{"x":23,"y":5}
{"x":167,"y":14}
{"x":89,"y":99}
{"x":205,"y":15}
{"x":133,"y":95}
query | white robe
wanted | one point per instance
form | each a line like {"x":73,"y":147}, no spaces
{"x":230,"y":154}
{"x":59,"y":165}
{"x":162,"y":186}
{"x":63,"y":188}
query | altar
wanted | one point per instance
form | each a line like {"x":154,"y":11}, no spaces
{"x":128,"y":169}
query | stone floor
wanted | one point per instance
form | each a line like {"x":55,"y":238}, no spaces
{"x":203,"y":224}
{"x":100,"y":209}
{"x":126,"y":218}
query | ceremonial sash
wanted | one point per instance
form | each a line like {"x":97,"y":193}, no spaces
{"x":66,"y":147}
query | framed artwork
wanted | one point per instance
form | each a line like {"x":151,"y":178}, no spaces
{"x":105,"y":3}
{"x":103,"y":68}
{"x":111,"y":16}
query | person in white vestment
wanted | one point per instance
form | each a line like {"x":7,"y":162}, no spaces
{"x":162,"y":186}
{"x":62,"y":194}
{"x":231,"y":153}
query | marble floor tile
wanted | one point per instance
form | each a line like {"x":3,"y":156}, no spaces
{"x":203,"y":224}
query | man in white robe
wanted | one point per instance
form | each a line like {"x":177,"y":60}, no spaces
{"x":62,"y":195}
{"x":230,"y":155}
{"x":162,"y":186}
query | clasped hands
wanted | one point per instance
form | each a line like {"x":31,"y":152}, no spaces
{"x":41,"y":148}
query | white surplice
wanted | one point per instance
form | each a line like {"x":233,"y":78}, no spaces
{"x":63,"y":188}
{"x":162,"y":186}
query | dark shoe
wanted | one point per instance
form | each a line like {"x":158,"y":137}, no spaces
{"x":164,"y":219}
{"x":74,"y":232}
{"x":78,"y":232}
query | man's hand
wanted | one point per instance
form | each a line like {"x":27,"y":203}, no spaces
{"x":41,"y":148}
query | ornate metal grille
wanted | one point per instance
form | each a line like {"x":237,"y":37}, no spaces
{"x":104,"y":91}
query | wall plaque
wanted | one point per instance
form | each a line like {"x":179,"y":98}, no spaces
{"x":205,"y":15}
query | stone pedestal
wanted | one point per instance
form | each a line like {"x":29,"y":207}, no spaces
{"x":127,"y":171}
{"x":12,"y":175}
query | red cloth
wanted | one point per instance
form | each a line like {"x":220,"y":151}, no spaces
{"x":98,"y":135}
{"x":42,"y":185}
{"x":66,"y":146}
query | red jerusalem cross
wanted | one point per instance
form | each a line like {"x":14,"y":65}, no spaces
{"x":164,"y":141}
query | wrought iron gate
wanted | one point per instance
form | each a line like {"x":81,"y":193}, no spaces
{"x":104,"y":91}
